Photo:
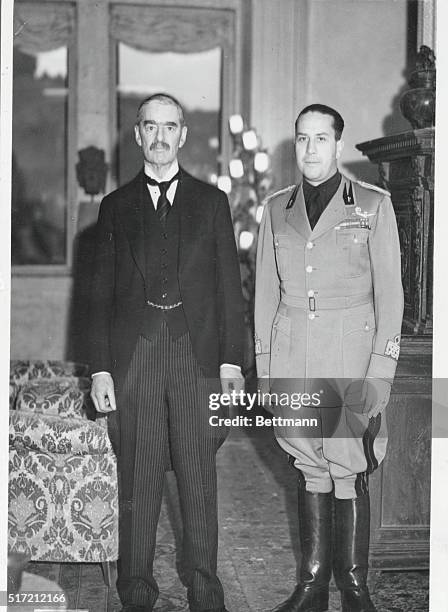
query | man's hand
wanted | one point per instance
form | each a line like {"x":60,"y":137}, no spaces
{"x":369,"y":396}
{"x":102,"y":392}
{"x":376,"y":394}
{"x":231,"y":379}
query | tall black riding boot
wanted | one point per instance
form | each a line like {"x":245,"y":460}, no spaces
{"x":351,"y":553}
{"x":315,"y":527}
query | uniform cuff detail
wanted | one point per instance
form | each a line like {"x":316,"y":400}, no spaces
{"x":381,"y":366}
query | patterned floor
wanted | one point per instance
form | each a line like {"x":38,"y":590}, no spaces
{"x":257,"y":563}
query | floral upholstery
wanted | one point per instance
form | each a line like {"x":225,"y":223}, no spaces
{"x":63,"y":497}
{"x":24,"y":371}
{"x":53,"y":434}
{"x":64,"y":397}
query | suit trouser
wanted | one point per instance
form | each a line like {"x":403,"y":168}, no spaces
{"x":166,"y":388}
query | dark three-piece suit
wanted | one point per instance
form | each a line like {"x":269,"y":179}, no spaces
{"x":164,"y":363}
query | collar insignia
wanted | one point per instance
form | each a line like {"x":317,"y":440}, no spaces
{"x":292,"y":199}
{"x":348,"y":195}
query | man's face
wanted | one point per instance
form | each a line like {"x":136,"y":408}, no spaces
{"x":316,"y":147}
{"x":159,"y":132}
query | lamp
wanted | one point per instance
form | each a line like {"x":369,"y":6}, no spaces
{"x":224,"y":183}
{"x":236,"y":124}
{"x":250,"y":179}
{"x":250,"y":140}
{"x":246,"y":240}
{"x":236,"y":168}
{"x":261,"y":161}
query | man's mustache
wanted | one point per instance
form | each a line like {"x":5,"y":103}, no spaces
{"x":159,"y":145}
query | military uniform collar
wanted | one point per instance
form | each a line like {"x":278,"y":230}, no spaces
{"x":336,"y":210}
{"x":326,"y":190}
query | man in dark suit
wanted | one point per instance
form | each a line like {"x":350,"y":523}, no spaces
{"x":167,"y":325}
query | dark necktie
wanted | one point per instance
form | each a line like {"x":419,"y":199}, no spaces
{"x":163,"y":205}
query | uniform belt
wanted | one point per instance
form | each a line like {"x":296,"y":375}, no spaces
{"x":163,"y":306}
{"x":316,"y":303}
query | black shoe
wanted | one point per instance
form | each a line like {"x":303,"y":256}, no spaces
{"x":351,"y":553}
{"x":357,"y":600}
{"x":315,"y":529}
{"x":305,"y":598}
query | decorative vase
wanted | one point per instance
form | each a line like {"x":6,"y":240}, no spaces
{"x":418,"y":103}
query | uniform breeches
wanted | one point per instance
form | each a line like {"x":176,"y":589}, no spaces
{"x":322,"y":357}
{"x":341,"y":451}
{"x":163,"y":408}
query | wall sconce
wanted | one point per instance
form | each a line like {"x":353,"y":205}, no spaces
{"x":91,"y":170}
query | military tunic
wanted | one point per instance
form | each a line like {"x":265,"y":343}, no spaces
{"x":328,"y":307}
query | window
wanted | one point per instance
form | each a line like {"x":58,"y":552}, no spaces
{"x":192,"y":78}
{"x":39,"y":163}
{"x":186,"y":52}
{"x":41,"y":134}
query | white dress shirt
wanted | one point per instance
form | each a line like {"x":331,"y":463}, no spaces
{"x":154,"y":191}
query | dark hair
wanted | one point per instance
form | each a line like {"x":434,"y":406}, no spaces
{"x":338,"y":122}
{"x":165,"y":99}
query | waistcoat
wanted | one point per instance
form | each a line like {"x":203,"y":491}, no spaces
{"x":162,"y":259}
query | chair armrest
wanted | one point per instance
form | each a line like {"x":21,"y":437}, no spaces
{"x":65,"y":397}
{"x":31,"y":369}
{"x":53,"y":434}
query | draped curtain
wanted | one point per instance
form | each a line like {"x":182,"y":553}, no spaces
{"x":162,"y":29}
{"x":43,"y":26}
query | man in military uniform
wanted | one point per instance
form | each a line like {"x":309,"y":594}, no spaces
{"x":328,"y":312}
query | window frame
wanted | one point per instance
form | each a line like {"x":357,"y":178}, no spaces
{"x":231,"y":83}
{"x":235,"y":76}
{"x":70,"y":173}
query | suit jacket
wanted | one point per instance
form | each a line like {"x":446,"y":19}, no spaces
{"x":329,"y":301}
{"x":208,"y":273}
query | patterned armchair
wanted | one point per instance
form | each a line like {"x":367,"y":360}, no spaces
{"x":63,"y":493}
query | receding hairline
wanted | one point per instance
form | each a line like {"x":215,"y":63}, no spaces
{"x":163,"y":99}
